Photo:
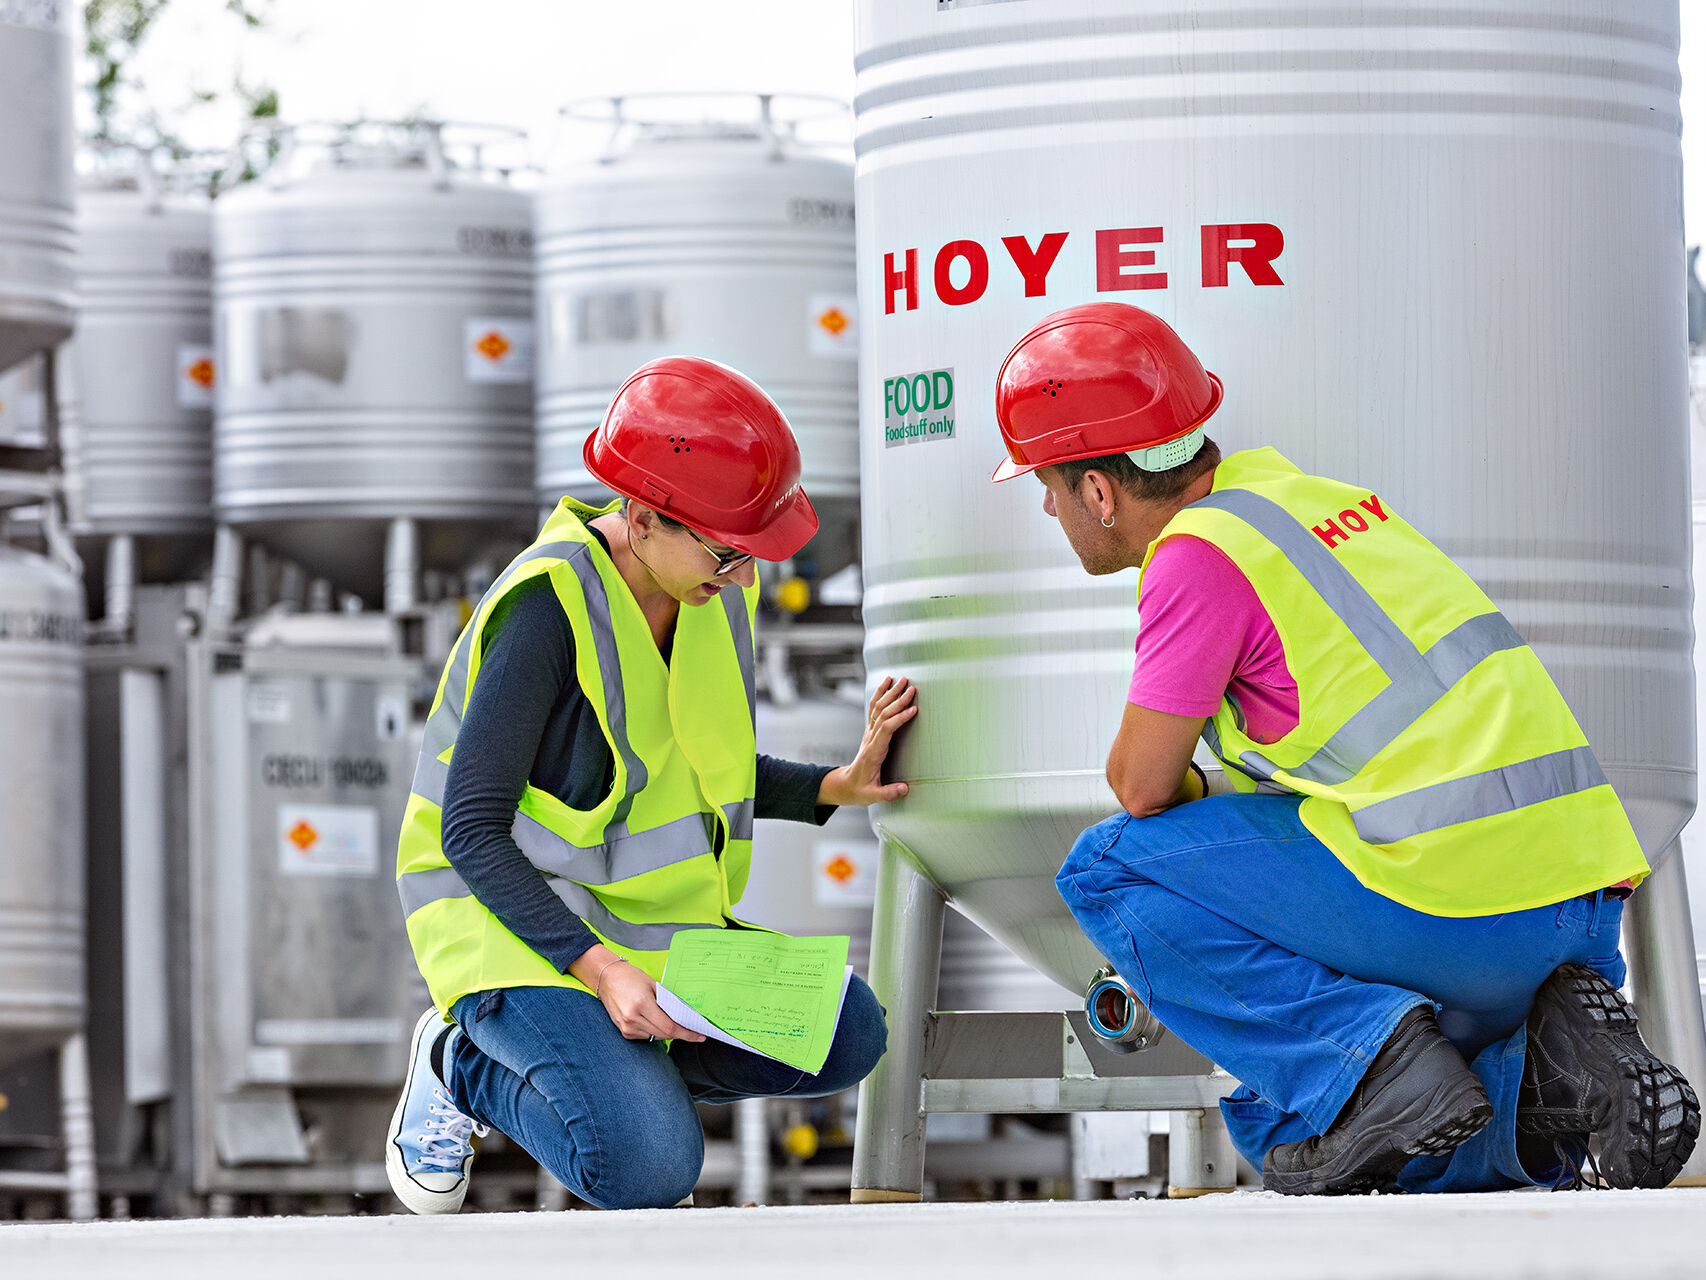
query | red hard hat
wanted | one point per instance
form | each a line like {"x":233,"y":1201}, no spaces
{"x":704,"y":445}
{"x":1099,"y":379}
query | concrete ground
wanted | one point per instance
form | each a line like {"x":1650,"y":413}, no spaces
{"x":1630,"y":1235}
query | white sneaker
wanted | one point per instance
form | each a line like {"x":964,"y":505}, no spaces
{"x":429,"y":1148}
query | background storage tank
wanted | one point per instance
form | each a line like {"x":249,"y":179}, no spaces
{"x":37,"y":292}
{"x":136,"y":398}
{"x":41,"y":843}
{"x":723,"y":238}
{"x":1426,"y":250}
{"x":374,"y":298}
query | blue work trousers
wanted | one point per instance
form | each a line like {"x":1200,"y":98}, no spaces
{"x":1251,"y":942}
{"x":613,"y":1119}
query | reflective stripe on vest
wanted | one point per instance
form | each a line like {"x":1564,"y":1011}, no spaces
{"x":1418,"y":681}
{"x":441,"y":727}
{"x":421,"y":888}
{"x":621,"y":856}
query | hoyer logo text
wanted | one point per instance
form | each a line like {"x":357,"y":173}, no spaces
{"x":1126,"y":258}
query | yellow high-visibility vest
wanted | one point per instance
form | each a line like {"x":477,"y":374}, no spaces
{"x":1437,"y":759}
{"x":668,"y":848}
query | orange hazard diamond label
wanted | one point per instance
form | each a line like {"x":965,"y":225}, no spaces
{"x":303,"y":836}
{"x":493,"y":345}
{"x":833,"y":321}
{"x":201,"y":373}
{"x":840,"y":868}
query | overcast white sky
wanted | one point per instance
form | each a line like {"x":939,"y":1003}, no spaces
{"x":516,"y":61}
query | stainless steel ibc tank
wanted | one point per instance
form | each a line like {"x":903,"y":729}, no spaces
{"x":1434,"y":251}
{"x":724,"y":238}
{"x":137,"y":395}
{"x":37,"y":239}
{"x":41,"y":841}
{"x":373,"y":295}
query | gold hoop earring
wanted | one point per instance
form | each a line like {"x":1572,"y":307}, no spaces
{"x":1107,"y":522}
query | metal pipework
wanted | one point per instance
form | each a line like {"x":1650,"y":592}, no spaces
{"x":402,"y":566}
{"x":225,"y":580}
{"x":752,"y":1135}
{"x":120,"y":586}
{"x":1119,"y":1019}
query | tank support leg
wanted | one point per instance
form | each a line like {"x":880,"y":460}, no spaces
{"x":1658,"y":938}
{"x":906,"y":964}
{"x":1200,"y":1158}
{"x":752,"y":1141}
{"x":77,"y":1109}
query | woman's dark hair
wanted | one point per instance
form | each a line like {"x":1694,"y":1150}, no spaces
{"x":662,"y":519}
{"x":1148,"y":486}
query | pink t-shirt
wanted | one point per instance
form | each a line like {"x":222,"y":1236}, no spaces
{"x":1204,"y":636}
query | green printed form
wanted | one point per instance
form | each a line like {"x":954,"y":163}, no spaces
{"x":777,"y":995}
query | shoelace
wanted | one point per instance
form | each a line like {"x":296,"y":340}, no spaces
{"x":444,"y":1137}
{"x":1571,"y":1174}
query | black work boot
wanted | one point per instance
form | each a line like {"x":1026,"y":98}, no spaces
{"x":1591,"y":1086}
{"x":1418,"y":1098}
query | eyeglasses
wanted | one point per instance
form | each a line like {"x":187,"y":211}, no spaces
{"x":726,"y":562}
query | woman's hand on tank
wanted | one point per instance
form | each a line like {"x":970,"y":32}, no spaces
{"x":861,"y":782}
{"x":630,"y":997}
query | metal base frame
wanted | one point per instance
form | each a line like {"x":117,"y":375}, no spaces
{"x":78,"y":1182}
{"x":1004,"y":1062}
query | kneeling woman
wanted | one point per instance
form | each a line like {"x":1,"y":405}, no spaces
{"x":587,"y":787}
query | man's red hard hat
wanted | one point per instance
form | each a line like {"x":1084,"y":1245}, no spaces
{"x":704,"y":445}
{"x":1098,"y":379}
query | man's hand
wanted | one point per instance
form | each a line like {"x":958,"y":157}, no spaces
{"x":893,"y":704}
{"x":1148,"y":767}
{"x":628,"y":995}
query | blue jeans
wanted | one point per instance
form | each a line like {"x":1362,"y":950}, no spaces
{"x":613,"y":1119}
{"x":1251,"y":942}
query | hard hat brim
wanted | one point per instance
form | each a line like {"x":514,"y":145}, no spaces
{"x":1010,"y":470}
{"x":794,"y":526}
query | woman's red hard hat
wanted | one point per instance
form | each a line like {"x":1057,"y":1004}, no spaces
{"x":1098,"y":379}
{"x":704,"y":445}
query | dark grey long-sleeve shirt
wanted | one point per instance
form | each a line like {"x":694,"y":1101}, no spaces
{"x":529,"y":721}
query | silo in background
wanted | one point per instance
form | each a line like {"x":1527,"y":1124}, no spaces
{"x":135,"y":386}
{"x":37,"y":237}
{"x":41,"y":844}
{"x":718,"y":234}
{"x":374,"y":316}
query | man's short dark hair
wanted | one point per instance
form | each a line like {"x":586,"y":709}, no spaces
{"x":1148,"y":486}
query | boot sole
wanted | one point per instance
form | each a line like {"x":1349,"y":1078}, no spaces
{"x":1656,"y":1119}
{"x":1448,"y":1117}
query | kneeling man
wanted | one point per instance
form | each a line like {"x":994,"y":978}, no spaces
{"x":1401,"y":933}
